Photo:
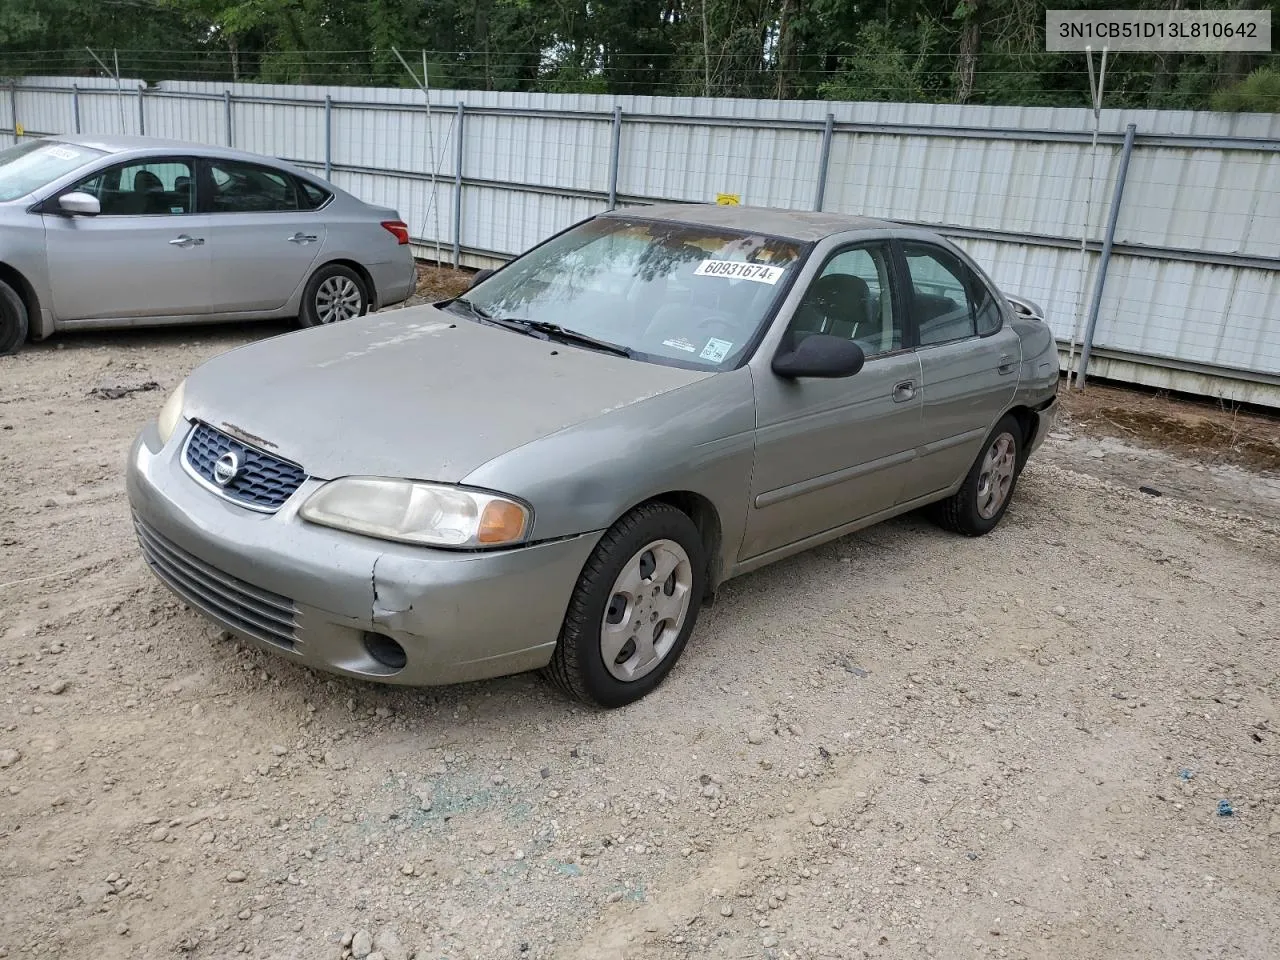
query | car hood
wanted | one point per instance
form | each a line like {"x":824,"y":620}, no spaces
{"x":416,"y":393}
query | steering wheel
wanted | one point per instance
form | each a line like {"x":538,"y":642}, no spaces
{"x":719,"y":323}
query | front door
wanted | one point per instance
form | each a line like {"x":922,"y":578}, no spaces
{"x":145,"y":255}
{"x":829,"y":452}
{"x":969,"y":363}
{"x":263,"y":235}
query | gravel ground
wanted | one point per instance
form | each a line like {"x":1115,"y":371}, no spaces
{"x":903,"y":744}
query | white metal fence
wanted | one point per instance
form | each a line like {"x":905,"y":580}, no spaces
{"x":1191,"y":298}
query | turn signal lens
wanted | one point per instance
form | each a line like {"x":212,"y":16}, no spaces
{"x":501,"y":522}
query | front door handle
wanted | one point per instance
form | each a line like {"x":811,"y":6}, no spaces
{"x":1005,"y":364}
{"x":186,"y":240}
{"x":303,"y":238}
{"x":904,"y":391}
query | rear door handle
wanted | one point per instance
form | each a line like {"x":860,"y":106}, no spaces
{"x":904,"y":391}
{"x":303,"y":238}
{"x":186,"y":240}
{"x":1006,"y":364}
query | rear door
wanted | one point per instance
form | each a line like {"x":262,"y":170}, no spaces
{"x":264,"y":235}
{"x":829,"y":452}
{"x":968,"y":362}
{"x":145,"y":255}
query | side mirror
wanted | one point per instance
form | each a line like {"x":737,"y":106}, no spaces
{"x":80,"y":204}
{"x":820,"y":355}
{"x":480,"y":276}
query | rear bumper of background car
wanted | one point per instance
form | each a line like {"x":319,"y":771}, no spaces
{"x":328,"y":599}
{"x":395,"y":280}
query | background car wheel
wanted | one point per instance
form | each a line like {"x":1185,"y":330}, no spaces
{"x":13,"y":320}
{"x":979,"y":504}
{"x":632,"y":611}
{"x":334,"y":293}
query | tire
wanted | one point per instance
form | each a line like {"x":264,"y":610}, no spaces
{"x":972,"y":510}
{"x":333,"y":294}
{"x":607,"y":667}
{"x":13,"y":320}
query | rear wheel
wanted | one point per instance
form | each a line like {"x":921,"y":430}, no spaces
{"x":13,"y":320}
{"x":632,"y":611}
{"x":333,"y":294}
{"x":982,"y":500}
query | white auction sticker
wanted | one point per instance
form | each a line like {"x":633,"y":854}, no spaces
{"x":736,"y":270}
{"x":680,"y":343}
{"x":62,"y":153}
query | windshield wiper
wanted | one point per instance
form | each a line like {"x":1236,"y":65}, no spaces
{"x":475,"y":311}
{"x":556,"y":332}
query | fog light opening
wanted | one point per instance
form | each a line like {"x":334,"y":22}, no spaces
{"x":385,"y":650}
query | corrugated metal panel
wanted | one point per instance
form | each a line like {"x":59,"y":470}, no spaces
{"x":201,"y":121}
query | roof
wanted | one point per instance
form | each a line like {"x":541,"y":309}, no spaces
{"x":113,"y":143}
{"x":799,"y":225}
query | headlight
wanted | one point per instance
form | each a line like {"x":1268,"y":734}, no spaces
{"x":431,"y":514}
{"x":171,"y":413}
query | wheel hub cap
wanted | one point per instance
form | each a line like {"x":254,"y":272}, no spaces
{"x":996,"y":477}
{"x":646,"y":611}
{"x":338,"y":299}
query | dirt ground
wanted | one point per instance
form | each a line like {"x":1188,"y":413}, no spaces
{"x":903,"y":744}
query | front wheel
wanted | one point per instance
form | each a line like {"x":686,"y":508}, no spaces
{"x":982,"y":500}
{"x":333,"y":294}
{"x":633,"y":608}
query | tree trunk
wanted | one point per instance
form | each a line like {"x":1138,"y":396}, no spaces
{"x":234,"y":47}
{"x":706,"y":54}
{"x":784,"y":48}
{"x":970,"y":45}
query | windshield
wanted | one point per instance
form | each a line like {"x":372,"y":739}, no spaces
{"x":671,"y":293}
{"x":31,"y":164}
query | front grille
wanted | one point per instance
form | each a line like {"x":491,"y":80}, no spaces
{"x":263,"y":483}
{"x":226,"y":599}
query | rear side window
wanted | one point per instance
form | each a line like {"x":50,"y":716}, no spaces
{"x":236,"y":187}
{"x":316,"y":197}
{"x":948,"y":300}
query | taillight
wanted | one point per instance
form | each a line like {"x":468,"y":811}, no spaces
{"x":397,"y":228}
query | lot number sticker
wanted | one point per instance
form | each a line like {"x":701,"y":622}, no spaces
{"x":736,"y":270}
{"x":62,"y":153}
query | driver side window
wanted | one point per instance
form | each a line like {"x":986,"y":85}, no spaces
{"x":852,"y":298}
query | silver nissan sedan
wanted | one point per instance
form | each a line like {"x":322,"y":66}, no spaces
{"x":557,"y":469}
{"x":138,"y":231}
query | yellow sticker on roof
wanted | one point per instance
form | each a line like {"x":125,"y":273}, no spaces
{"x":737,"y":270}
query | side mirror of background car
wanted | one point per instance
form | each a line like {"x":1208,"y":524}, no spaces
{"x":820,"y":355}
{"x":80,"y":204}
{"x":480,"y":275}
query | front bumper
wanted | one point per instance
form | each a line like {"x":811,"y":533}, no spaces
{"x":313,"y":594}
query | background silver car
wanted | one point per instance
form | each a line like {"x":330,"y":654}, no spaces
{"x":123,"y":231}
{"x":556,"y":469}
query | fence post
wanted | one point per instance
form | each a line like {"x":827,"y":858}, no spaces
{"x":1087,"y":346}
{"x":328,"y":137}
{"x":457,"y":187}
{"x":615,"y":151}
{"x":75,"y":105}
{"x":226,"y":106}
{"x":13,"y":109}
{"x":142,"y":115}
{"x":827,"y":129}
